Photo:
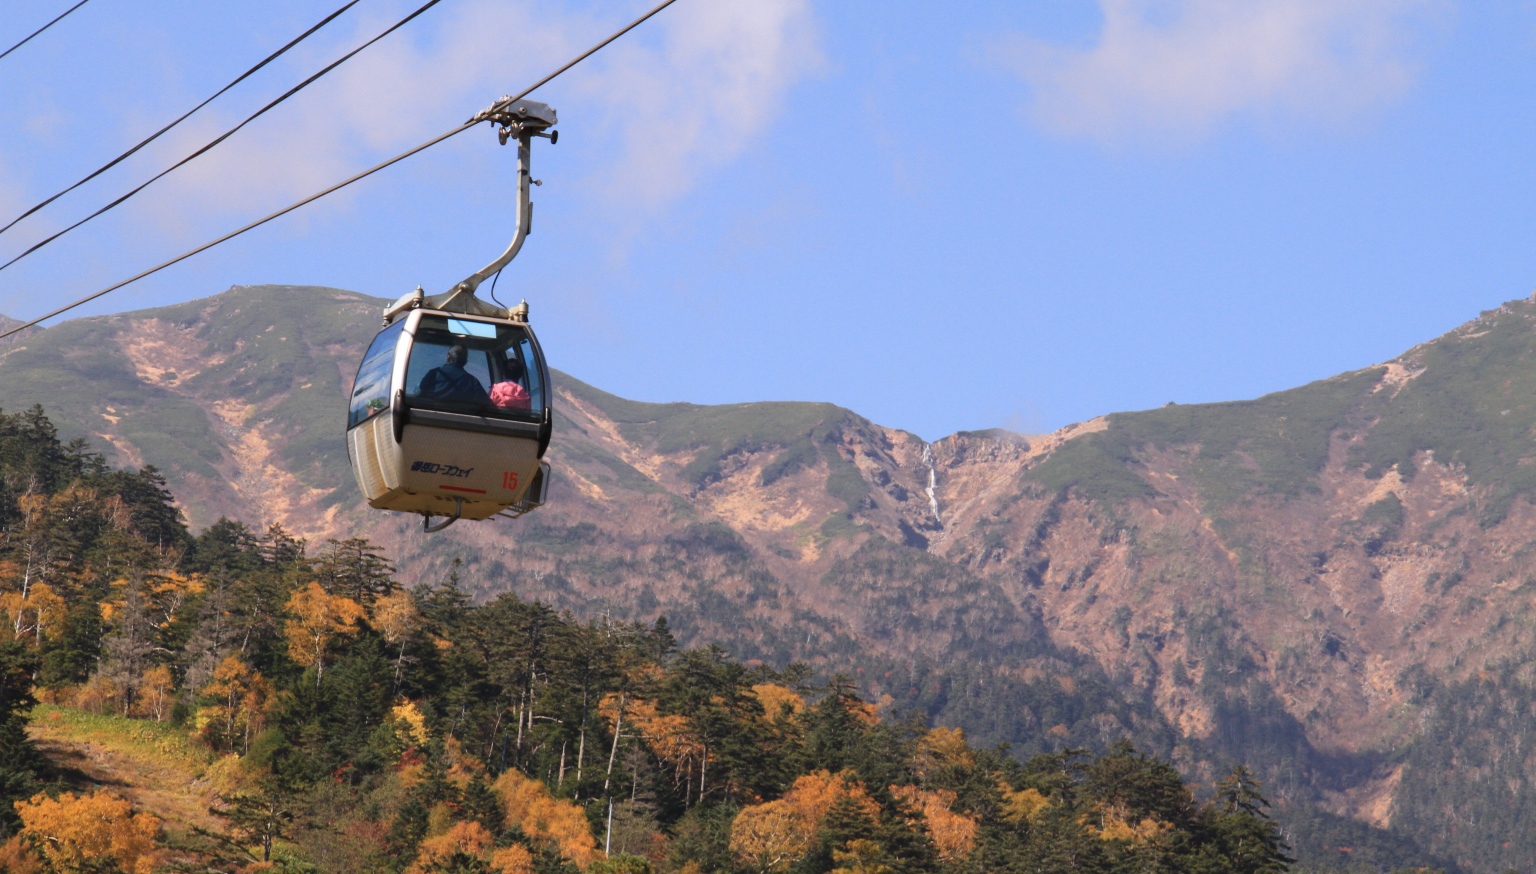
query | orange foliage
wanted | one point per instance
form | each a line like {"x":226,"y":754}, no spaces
{"x":953,"y":833}
{"x":774,"y":835}
{"x":318,"y":619}
{"x":469,"y":838}
{"x":669,"y":737}
{"x":76,"y":834}
{"x":544,"y":818}
{"x":866,"y":712}
{"x":775,"y":699}
{"x":164,"y":594}
{"x":17,"y":858}
{"x":462,"y":767}
{"x":512,"y":860}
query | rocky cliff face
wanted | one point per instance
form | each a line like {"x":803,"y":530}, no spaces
{"x":1335,"y":583}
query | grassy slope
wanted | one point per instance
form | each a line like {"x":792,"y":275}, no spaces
{"x":1473,"y":402}
{"x":153,"y":765}
{"x":275,"y":341}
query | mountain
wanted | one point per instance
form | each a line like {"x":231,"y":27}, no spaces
{"x":1334,"y":583}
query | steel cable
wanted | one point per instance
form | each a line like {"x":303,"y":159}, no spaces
{"x":343,"y":184}
{"x":227,"y":134}
{"x":156,"y":135}
{"x":29,"y":36}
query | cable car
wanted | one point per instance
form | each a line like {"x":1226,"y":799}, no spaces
{"x":450,"y":411}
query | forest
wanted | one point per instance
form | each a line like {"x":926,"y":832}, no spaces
{"x":350,"y":724}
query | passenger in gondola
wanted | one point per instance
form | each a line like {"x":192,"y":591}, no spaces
{"x":451,"y":382}
{"x":509,"y":394}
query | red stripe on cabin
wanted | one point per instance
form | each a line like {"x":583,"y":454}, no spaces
{"x":462,"y":489}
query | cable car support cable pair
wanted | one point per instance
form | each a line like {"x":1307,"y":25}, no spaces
{"x":226,"y":135}
{"x":188,"y":114}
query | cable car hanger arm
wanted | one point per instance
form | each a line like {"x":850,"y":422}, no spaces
{"x":521,"y":120}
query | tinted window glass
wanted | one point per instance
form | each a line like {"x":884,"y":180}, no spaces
{"x":461,"y":365}
{"x":535,"y":387}
{"x":370,"y":391}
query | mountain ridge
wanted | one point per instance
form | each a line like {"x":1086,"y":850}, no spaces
{"x":1334,"y":582}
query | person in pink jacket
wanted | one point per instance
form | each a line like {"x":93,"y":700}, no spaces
{"x":509,"y":394}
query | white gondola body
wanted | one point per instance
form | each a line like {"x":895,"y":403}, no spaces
{"x":444,"y":463}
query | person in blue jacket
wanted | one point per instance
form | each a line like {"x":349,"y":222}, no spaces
{"x":452,"y":382}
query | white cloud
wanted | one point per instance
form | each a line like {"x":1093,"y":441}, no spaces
{"x":682,"y":94}
{"x":1176,"y":69}
{"x":697,"y":97}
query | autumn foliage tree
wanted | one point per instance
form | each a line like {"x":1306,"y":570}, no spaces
{"x":318,"y":619}
{"x":776,"y":834}
{"x":234,"y":706}
{"x":77,"y":834}
{"x":545,"y":819}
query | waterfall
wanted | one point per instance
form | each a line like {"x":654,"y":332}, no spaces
{"x":933,"y":481}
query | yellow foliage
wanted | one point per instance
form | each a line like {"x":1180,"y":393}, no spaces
{"x":414,"y":730}
{"x":97,"y":695}
{"x":1115,"y":825}
{"x":155,"y":694}
{"x":394,"y":615}
{"x":76,"y":834}
{"x":1023,"y":805}
{"x":942,"y":749}
{"x":39,"y":615}
{"x":860,"y":857}
{"x":546,"y":819}
{"x":775,"y":699}
{"x":770,"y":836}
{"x":318,"y":618}
{"x":227,"y":775}
{"x":774,"y":835}
{"x":439,"y":819}
{"x":237,"y":713}
{"x":164,"y":594}
{"x":469,"y":838}
{"x":954,"y":834}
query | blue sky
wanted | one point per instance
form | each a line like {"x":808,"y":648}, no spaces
{"x":943,"y":216}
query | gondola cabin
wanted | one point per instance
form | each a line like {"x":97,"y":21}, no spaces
{"x":450,"y":416}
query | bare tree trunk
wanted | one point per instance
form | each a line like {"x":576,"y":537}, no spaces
{"x":521,"y":697}
{"x":618,"y":731}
